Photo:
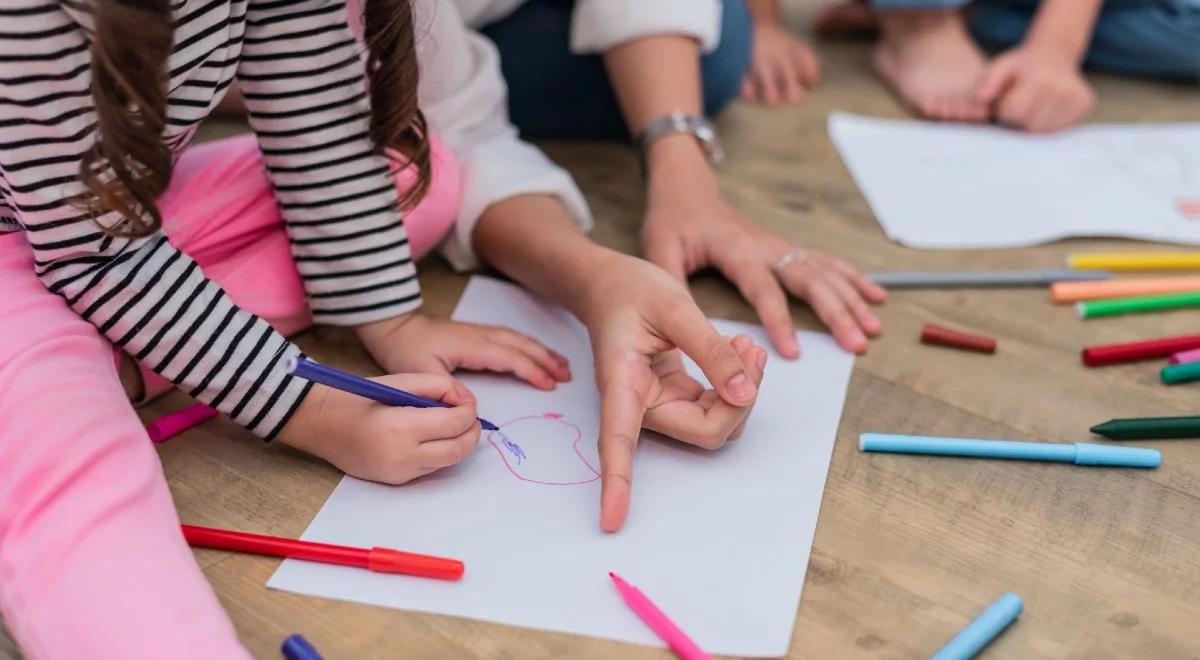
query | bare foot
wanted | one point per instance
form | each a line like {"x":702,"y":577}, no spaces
{"x":852,"y":19}
{"x":930,"y":60}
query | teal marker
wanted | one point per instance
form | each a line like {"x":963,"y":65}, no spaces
{"x":982,"y":630}
{"x":1080,"y":453}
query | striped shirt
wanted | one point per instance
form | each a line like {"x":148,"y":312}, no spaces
{"x":302,"y":76}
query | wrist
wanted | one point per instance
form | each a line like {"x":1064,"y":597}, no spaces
{"x":376,"y":332}
{"x":305,"y":424}
{"x":596,"y":268}
{"x":1056,"y":49}
{"x":676,"y":164}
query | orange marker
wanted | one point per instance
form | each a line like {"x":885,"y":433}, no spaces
{"x":1067,"y":292}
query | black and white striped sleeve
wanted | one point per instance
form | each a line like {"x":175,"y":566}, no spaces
{"x":303,"y":81}
{"x":143,"y":294}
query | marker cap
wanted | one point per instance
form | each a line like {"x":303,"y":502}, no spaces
{"x":295,"y":647}
{"x":384,"y":560}
{"x":1090,"y":454}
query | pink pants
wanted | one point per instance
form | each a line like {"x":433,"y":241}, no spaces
{"x":92,"y":563}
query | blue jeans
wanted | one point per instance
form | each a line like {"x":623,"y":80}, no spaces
{"x":554,"y":94}
{"x":1151,"y":38}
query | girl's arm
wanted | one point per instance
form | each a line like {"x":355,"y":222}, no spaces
{"x":144,"y":295}
{"x":302,"y":79}
{"x":1065,"y":26}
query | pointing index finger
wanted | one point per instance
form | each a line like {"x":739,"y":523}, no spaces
{"x":621,"y":413}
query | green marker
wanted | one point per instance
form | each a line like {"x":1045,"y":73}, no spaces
{"x":1149,"y":428}
{"x":1136,"y":305}
{"x":1180,"y":373}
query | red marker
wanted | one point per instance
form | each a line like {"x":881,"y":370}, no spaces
{"x":381,"y":560}
{"x":1095,"y":356}
{"x":931,"y":333}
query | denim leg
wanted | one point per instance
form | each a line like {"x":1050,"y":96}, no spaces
{"x":1000,"y":24}
{"x":1150,"y":38}
{"x":554,"y":94}
{"x":917,"y":5}
{"x":723,"y":70}
{"x":1154,"y":39}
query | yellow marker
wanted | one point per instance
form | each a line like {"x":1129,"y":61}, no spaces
{"x":1136,"y":261}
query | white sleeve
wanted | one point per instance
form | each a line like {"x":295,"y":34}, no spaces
{"x":598,"y":25}
{"x":465,"y":102}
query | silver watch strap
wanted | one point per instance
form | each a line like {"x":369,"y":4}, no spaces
{"x":681,"y":122}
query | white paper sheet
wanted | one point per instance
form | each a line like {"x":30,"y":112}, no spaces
{"x":959,"y":186}
{"x":720,"y":540}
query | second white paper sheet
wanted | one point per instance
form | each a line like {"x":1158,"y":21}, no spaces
{"x":719,"y":540}
{"x":938,"y":185}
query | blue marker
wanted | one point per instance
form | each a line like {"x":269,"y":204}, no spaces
{"x":295,"y":647}
{"x":390,"y":396}
{"x":982,"y":630}
{"x":1080,"y":453}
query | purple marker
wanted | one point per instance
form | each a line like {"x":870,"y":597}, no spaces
{"x":369,"y":389}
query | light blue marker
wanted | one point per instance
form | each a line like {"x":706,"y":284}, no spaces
{"x":1080,"y":453}
{"x":982,"y":630}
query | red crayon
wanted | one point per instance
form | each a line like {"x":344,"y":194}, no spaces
{"x":1095,"y":356}
{"x":380,"y":560}
{"x":931,"y":333}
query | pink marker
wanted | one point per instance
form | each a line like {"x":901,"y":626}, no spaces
{"x":660,"y":623}
{"x":167,"y":427}
{"x":1183,"y":357}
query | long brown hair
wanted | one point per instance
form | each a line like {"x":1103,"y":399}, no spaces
{"x":129,"y":166}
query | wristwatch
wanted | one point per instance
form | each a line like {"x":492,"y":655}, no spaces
{"x":681,"y":122}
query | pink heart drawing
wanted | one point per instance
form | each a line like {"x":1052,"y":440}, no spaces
{"x":543,"y":449}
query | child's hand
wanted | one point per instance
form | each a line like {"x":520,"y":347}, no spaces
{"x":782,"y":68}
{"x":392,"y":445}
{"x":1037,"y":89}
{"x":416,"y":343}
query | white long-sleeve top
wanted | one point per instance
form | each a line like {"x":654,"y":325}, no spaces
{"x":597,"y":25}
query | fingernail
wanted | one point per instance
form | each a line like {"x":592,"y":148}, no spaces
{"x":762,"y":360}
{"x":741,"y":387}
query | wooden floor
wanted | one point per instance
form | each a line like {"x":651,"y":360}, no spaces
{"x":908,"y":549}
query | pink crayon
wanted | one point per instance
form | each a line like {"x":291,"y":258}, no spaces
{"x":1183,"y":357}
{"x":167,"y":427}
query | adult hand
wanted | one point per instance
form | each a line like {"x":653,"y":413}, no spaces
{"x":782,"y":67}
{"x":687,"y":229}
{"x":637,"y":316}
{"x":1036,"y":88}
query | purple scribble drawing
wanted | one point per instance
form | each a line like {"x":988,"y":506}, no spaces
{"x":544,"y":436}
{"x":512,"y":447}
